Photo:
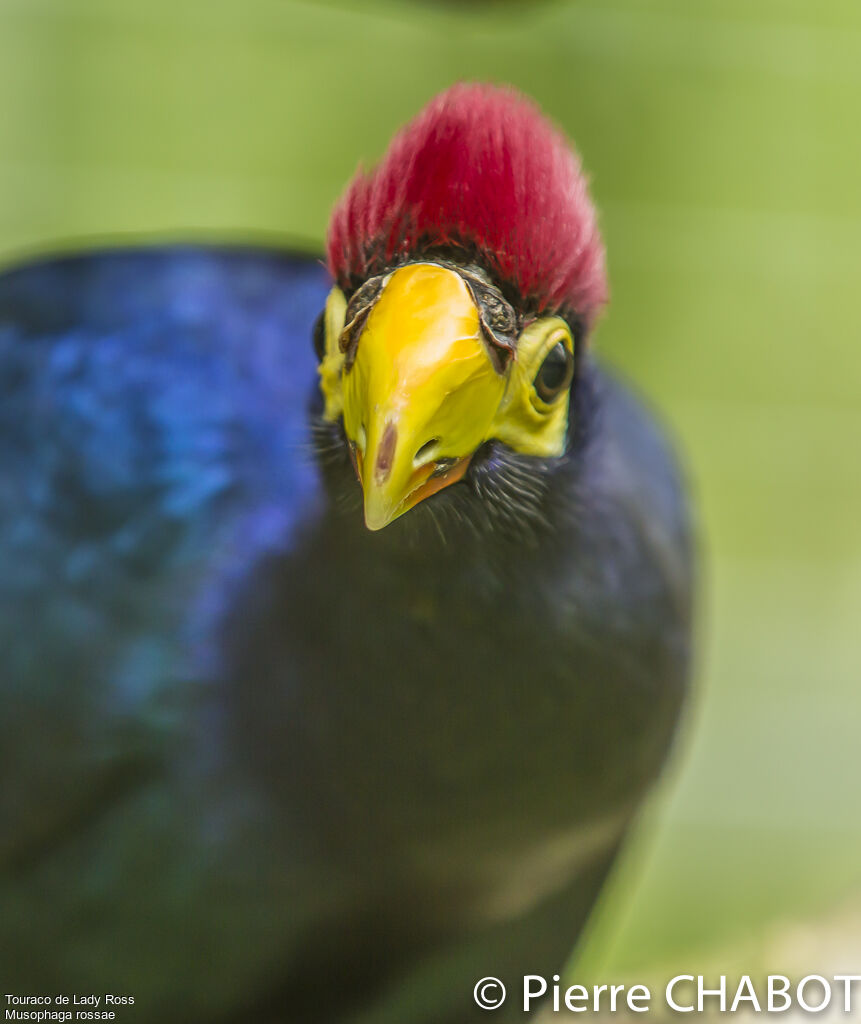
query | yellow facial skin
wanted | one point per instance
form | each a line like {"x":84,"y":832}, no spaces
{"x":423,"y":394}
{"x":524,"y":421}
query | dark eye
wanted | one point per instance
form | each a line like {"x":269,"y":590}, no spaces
{"x":555,"y":373}
{"x":319,"y":336}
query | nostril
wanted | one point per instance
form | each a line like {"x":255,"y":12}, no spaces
{"x":426,"y":453}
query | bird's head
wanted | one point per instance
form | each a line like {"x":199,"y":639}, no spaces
{"x":468,"y":269}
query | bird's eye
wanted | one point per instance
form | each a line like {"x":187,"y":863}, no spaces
{"x":319,"y":336}
{"x":555,"y":373}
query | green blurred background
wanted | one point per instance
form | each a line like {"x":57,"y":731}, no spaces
{"x":722,"y":138}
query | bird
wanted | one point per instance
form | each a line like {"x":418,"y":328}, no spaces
{"x":346,"y":605}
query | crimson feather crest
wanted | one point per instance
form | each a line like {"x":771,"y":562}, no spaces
{"x":481,"y":175}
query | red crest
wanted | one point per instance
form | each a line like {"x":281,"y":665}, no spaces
{"x":479,"y":172}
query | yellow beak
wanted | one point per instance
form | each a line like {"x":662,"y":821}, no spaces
{"x":422,"y":393}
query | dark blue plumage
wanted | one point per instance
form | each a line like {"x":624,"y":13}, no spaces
{"x":255,"y":757}
{"x":153,"y":444}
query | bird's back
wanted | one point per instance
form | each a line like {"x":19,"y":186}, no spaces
{"x":152,"y":441}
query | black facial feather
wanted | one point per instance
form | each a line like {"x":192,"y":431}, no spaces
{"x":499,"y":320}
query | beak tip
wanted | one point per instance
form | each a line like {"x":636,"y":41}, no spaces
{"x":377,"y":518}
